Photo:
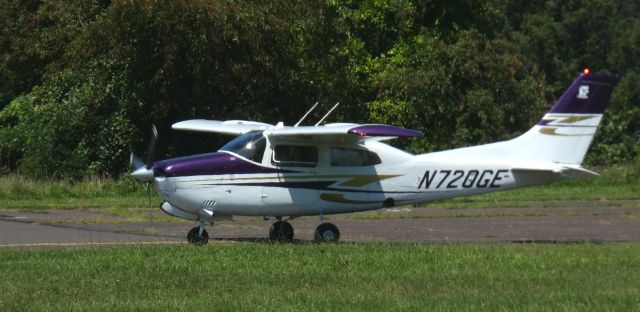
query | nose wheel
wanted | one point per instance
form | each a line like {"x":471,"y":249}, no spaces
{"x":198,"y":236}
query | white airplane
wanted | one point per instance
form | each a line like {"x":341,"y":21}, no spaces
{"x":287,"y":172}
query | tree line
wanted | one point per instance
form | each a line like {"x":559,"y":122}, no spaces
{"x":81,"y":82}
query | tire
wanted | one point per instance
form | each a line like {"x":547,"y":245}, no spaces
{"x":195,"y":239}
{"x":326,"y":233}
{"x":281,"y":231}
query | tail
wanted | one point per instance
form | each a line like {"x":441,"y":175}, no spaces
{"x":564,"y":134}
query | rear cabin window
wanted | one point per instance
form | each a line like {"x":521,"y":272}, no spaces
{"x":351,"y":157}
{"x":295,"y":155}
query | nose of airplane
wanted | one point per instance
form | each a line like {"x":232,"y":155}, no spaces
{"x":143,"y":174}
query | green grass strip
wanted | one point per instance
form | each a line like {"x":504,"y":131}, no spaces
{"x":307,"y":277}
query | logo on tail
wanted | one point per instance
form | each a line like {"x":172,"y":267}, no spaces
{"x":583,"y":92}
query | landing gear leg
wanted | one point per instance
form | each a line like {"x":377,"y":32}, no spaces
{"x":198,"y":235}
{"x":281,"y":231}
{"x":326,"y":232}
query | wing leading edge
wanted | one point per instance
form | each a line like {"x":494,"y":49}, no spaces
{"x":233,"y":127}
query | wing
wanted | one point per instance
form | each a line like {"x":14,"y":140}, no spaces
{"x":234,"y":127}
{"x":329,"y":132}
{"x":341,"y":132}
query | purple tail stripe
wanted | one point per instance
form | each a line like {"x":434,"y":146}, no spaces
{"x":588,"y":94}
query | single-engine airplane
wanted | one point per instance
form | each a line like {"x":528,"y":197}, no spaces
{"x":284,"y":172}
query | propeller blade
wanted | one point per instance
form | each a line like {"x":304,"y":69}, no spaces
{"x":135,"y":162}
{"x":151,"y":153}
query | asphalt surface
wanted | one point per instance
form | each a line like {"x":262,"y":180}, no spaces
{"x":544,"y":222}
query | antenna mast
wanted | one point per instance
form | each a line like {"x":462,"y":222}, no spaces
{"x":307,"y":113}
{"x":329,"y":112}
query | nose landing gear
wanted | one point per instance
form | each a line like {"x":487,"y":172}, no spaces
{"x":198,"y":235}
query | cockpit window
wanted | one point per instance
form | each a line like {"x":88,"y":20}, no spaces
{"x":250,"y":145}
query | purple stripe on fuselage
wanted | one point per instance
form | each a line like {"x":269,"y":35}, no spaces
{"x":544,"y":122}
{"x":209,"y":164}
{"x":384,"y":130}
{"x":588,"y":94}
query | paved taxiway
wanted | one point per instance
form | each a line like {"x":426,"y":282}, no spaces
{"x":30,"y":234}
{"x":548,"y":222}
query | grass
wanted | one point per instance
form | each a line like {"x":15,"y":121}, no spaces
{"x":339,"y":277}
{"x":16,"y":192}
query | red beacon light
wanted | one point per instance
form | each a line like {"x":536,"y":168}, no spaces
{"x":586,"y":71}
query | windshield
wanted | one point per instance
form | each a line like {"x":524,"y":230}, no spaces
{"x":250,"y":145}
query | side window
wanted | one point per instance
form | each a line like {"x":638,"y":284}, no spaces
{"x":351,"y":157}
{"x":295,"y":155}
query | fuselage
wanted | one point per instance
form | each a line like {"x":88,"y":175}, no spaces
{"x":339,"y":178}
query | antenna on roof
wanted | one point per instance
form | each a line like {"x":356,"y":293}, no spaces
{"x":329,"y":112}
{"x":305,"y":115}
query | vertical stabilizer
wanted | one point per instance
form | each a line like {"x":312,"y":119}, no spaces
{"x":564,"y":134}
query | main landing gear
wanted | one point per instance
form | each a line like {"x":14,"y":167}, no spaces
{"x":282,"y":231}
{"x":198,"y":235}
{"x":326,"y":233}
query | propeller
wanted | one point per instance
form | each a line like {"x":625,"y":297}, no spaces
{"x":135,"y":162}
{"x":143,"y":171}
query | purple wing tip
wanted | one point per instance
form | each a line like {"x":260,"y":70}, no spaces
{"x":384,"y":130}
{"x":588,"y":94}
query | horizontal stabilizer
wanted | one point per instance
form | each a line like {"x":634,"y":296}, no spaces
{"x":565,"y":172}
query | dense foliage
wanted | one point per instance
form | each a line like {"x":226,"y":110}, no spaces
{"x":81,"y":82}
